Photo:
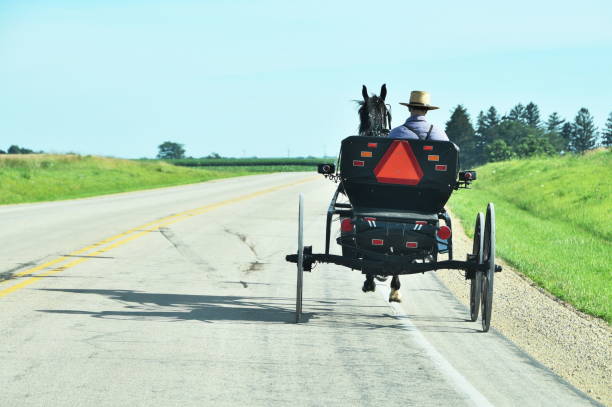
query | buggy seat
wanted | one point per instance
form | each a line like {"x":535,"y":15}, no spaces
{"x":398,"y":178}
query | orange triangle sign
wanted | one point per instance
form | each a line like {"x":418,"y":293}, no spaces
{"x":399,"y":165}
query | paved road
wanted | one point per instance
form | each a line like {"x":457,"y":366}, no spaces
{"x":181,"y":297}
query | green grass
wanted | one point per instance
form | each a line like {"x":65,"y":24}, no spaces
{"x":42,"y":177}
{"x":553,"y":223}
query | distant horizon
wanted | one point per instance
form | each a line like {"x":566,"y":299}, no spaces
{"x":473,"y":119}
{"x":118,"y":78}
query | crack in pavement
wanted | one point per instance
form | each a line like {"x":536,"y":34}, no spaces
{"x":244,"y":239}
{"x":256,"y":265}
{"x":185,"y":250}
{"x":9,"y":274}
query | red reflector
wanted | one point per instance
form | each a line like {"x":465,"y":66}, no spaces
{"x":438,"y":167}
{"x":377,"y":242}
{"x":346,"y":225}
{"x":369,"y":219}
{"x":421,"y":222}
{"x":372,"y":145}
{"x":444,"y":232}
{"x":428,"y":148}
{"x":399,"y":165}
{"x":358,"y":163}
{"x":411,"y":245}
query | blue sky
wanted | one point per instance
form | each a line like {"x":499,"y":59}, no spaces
{"x":271,"y":78}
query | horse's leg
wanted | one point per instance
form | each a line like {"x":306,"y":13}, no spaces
{"x":369,"y":284}
{"x":395,"y":286}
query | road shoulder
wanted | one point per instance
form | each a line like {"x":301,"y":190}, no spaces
{"x":574,"y":345}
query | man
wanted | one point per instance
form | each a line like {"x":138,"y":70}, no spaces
{"x":416,"y":127}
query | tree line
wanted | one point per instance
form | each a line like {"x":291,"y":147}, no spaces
{"x":522,"y":133}
{"x":19,"y":150}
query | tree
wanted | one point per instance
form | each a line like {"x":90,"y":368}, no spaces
{"x":531,"y":115}
{"x":554,"y":123}
{"x":459,"y":128}
{"x":510,"y":131}
{"x":461,"y":132}
{"x":553,"y":128}
{"x":607,"y":133}
{"x":517,"y":113}
{"x":481,"y":125}
{"x":14,"y":149}
{"x":170,"y":150}
{"x":567,"y":134}
{"x":533,"y":144}
{"x":521,"y":139}
{"x":486,"y":132}
{"x":584,"y":136}
{"x":492,"y":118}
{"x":498,"y":150}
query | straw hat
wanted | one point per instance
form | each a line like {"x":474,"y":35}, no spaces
{"x":420,"y":99}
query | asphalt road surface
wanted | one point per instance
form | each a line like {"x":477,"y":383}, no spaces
{"x":182,"y":297}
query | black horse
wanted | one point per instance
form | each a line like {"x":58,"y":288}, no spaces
{"x":375,"y":120}
{"x":374,"y":116}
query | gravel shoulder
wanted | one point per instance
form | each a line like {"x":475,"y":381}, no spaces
{"x":574,"y":345}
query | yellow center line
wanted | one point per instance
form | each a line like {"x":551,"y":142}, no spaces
{"x":120,"y":239}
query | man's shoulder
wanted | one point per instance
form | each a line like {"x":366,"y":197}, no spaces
{"x":438,"y":134}
{"x":402,"y":132}
{"x":424,"y":127}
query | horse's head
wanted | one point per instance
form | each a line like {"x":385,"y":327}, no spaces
{"x":374,"y":116}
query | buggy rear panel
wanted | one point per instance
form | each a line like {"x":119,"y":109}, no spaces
{"x":398,"y":175}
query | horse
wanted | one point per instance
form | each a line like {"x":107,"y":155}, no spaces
{"x":375,"y":121}
{"x":374,"y":115}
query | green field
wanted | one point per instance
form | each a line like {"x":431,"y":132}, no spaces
{"x":553,"y":223}
{"x":43,"y":177}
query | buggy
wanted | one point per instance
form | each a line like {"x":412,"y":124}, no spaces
{"x":394,"y":222}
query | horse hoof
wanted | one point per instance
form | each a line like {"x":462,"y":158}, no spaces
{"x":395,"y":296}
{"x":368,"y":287}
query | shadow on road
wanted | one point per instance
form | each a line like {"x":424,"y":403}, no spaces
{"x":205,"y":308}
{"x":335,"y":312}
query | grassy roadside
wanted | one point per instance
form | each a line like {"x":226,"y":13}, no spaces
{"x":43,"y":177}
{"x":553,"y":223}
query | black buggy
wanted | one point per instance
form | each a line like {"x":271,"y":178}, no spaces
{"x":394,"y":222}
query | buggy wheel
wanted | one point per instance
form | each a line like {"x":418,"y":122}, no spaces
{"x":489,"y":261}
{"x":476,"y":275}
{"x":300,"y":262}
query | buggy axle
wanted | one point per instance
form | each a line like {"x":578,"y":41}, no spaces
{"x":387,"y":267}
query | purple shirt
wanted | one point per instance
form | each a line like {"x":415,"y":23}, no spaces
{"x":418,"y":128}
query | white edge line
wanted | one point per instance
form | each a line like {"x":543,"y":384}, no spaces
{"x":461,"y":384}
